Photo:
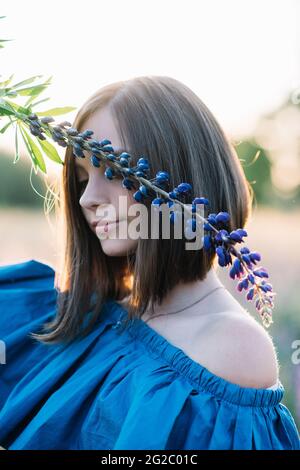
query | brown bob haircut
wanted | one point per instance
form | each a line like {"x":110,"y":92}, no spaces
{"x":160,"y":118}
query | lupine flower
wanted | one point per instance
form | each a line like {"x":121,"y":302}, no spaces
{"x":217,"y":237}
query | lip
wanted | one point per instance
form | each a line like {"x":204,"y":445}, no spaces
{"x":102,"y":224}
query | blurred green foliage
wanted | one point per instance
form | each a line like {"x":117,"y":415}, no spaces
{"x":258,"y":168}
{"x":15,"y":187}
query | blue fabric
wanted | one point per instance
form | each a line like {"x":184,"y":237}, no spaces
{"x":118,"y":388}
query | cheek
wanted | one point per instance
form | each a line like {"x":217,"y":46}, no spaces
{"x":85,"y":213}
{"x":122,"y":196}
{"x":130,"y":198}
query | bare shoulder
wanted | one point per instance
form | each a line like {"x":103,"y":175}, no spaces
{"x":239,"y":349}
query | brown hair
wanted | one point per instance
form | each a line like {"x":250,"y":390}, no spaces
{"x":162,"y":119}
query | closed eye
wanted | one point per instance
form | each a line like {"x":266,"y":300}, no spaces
{"x":82,"y":184}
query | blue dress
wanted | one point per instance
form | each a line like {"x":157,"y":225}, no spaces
{"x":116,"y":388}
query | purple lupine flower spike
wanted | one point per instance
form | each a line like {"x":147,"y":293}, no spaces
{"x":217,"y":238}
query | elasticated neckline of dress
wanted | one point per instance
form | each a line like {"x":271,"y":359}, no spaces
{"x":199,"y":376}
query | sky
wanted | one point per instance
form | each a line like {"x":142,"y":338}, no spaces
{"x":240,"y":57}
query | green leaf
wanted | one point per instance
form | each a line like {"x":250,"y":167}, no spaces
{"x":17,"y":107}
{"x":38,"y":154}
{"x":4,"y":40}
{"x":30,"y":100}
{"x":31,"y":90}
{"x":32,"y":97}
{"x":39,"y":102}
{"x":50,"y":151}
{"x":32,"y":156}
{"x":34,"y":151}
{"x":6,"y":109}
{"x":26,"y":82}
{"x":6,"y":82}
{"x":17,"y":155}
{"x":12,"y":93}
{"x":48,"y":81}
{"x":56,"y":111}
{"x":47,"y":132}
{"x":6,"y":92}
{"x":5,"y":127}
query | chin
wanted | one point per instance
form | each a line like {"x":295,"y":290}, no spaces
{"x":117,"y":247}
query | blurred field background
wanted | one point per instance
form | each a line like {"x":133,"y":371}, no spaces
{"x":268,"y":146}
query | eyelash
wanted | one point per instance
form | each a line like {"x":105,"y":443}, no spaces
{"x":82,"y":184}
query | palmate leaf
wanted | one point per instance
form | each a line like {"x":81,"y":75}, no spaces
{"x":10,"y":109}
{"x":34,"y":151}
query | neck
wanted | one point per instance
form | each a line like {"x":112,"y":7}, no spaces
{"x":184,"y":294}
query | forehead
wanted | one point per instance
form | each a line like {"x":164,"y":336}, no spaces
{"x":103,"y":125}
{"x":82,"y":164}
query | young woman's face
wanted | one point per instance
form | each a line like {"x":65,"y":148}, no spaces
{"x":100,"y":197}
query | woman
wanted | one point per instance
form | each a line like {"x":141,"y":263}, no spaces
{"x":193,"y":370}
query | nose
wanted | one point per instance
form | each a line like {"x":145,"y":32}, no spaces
{"x":95,"y":193}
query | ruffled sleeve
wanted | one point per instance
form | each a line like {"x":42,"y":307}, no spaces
{"x":118,"y":387}
{"x":27,"y":300}
{"x":26,"y":290}
{"x":181,"y":405}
